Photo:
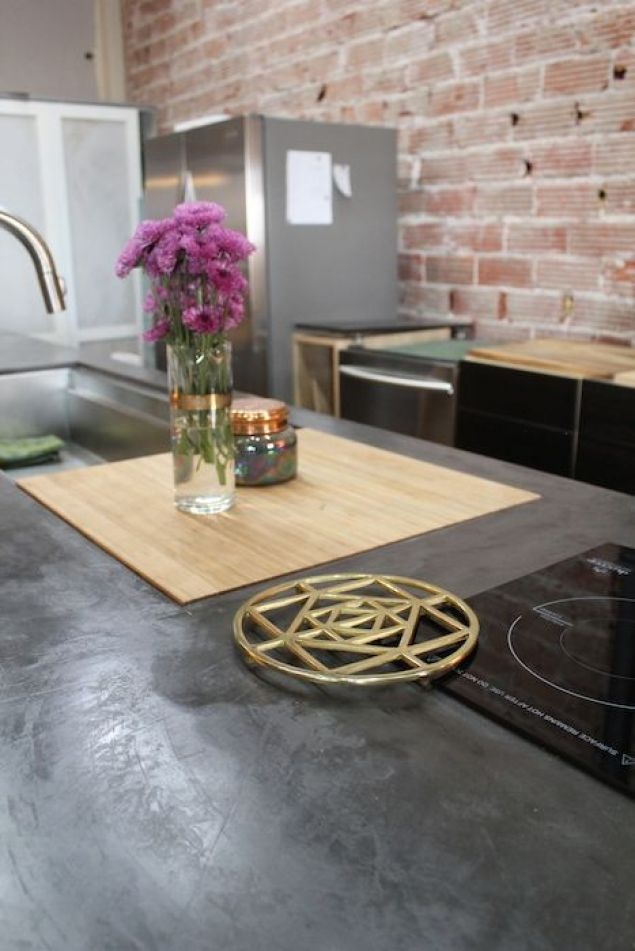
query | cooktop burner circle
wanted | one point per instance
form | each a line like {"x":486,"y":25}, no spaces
{"x":556,"y":642}
{"x":581,"y":645}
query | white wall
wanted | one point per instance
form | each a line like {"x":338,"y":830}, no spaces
{"x":43,"y":46}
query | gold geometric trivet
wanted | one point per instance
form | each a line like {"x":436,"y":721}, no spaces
{"x":356,"y":629}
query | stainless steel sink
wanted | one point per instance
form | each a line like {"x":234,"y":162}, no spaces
{"x":101,"y":418}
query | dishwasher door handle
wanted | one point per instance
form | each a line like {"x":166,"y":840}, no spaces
{"x":411,"y":382}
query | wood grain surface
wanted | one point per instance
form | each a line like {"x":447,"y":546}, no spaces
{"x":347,"y":498}
{"x":571,"y":357}
{"x":626,"y":378}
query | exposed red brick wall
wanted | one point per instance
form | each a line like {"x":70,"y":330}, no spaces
{"x":516,"y":124}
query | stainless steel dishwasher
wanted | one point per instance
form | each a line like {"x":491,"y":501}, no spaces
{"x":410,"y":390}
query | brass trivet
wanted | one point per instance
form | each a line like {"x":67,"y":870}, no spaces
{"x":356,"y":629}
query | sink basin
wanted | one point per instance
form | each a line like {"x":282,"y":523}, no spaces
{"x":101,"y":418}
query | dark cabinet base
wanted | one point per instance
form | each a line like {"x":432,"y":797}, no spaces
{"x":549,"y":450}
{"x":606,"y":446}
{"x":608,"y":465}
{"x":519,"y":416}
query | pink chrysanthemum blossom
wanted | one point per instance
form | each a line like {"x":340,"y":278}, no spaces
{"x":193,"y":263}
{"x":160,"y":330}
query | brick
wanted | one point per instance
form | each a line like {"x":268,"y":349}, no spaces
{"x":454,"y":97}
{"x":540,"y":44}
{"x":504,"y":271}
{"x":503,"y":330}
{"x":381,"y":81}
{"x":530,"y":238}
{"x":475,"y":236}
{"x":624,"y":62}
{"x":456,"y":26}
{"x":418,"y":300}
{"x":480,"y":128}
{"x":568,"y":200}
{"x":436,"y":300}
{"x":546,"y":119}
{"x":609,"y":30}
{"x":412,"y":267}
{"x":618,"y":277}
{"x":495,"y":164}
{"x":600,"y":238}
{"x":151,"y":9}
{"x":365,"y":53}
{"x":577,"y":76}
{"x":486,"y":58}
{"x":482,"y":157}
{"x":563,"y":158}
{"x":371,"y":113}
{"x":431,"y":67}
{"x":474,"y":301}
{"x":619,"y":197}
{"x":429,"y":234}
{"x":341,"y":90}
{"x":568,"y":274}
{"x":453,"y":201}
{"x":504,"y":200}
{"x":614,"y":155}
{"x":534,"y":306}
{"x":305,"y":15}
{"x":450,"y":270}
{"x":432,"y":136}
{"x":610,"y":114}
{"x":411,"y":202}
{"x":413,"y":9}
{"x":613,"y":314}
{"x":509,"y":15}
{"x":512,"y":87}
{"x":185,"y":35}
{"x":450,"y":167}
{"x":408,"y":42}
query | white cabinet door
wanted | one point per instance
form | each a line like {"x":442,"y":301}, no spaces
{"x":74,"y":172}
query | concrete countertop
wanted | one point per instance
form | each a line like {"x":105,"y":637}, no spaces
{"x":159,"y":795}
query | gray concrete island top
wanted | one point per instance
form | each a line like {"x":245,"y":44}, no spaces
{"x":159,"y":795}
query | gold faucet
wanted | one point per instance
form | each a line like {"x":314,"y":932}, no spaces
{"x":51,"y":283}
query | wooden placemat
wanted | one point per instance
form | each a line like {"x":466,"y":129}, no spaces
{"x":348,"y":498}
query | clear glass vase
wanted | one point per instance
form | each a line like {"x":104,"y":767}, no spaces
{"x":200,"y":382}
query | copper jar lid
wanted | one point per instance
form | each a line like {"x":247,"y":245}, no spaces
{"x":255,"y":414}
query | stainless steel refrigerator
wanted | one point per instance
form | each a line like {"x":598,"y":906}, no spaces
{"x":319,"y":202}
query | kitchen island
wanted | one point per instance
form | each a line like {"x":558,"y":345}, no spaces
{"x":157,"y":794}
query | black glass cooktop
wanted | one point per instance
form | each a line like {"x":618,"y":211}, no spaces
{"x":556,"y":660}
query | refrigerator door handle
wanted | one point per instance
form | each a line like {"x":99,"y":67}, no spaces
{"x":411,"y":382}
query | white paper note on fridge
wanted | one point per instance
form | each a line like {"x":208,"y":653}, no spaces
{"x":309,"y":188}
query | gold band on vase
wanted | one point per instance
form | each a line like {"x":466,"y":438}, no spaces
{"x":188,"y":401}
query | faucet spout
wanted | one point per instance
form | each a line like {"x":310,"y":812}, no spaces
{"x":50,"y":282}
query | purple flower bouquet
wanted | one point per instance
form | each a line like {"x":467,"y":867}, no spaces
{"x":196,"y":296}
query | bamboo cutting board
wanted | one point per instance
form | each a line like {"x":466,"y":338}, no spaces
{"x":571,"y":357}
{"x":626,"y":379}
{"x":348,"y":498}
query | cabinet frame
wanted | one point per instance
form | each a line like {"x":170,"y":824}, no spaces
{"x":323,"y":395}
{"x":56,"y":227}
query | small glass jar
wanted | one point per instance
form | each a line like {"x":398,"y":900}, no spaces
{"x":265,"y":443}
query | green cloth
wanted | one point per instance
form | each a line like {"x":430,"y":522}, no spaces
{"x":436,"y":349}
{"x":28,"y":450}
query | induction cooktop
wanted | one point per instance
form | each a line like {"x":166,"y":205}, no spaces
{"x":556,"y":660}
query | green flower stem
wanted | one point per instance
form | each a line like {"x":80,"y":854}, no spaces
{"x":200,"y":369}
